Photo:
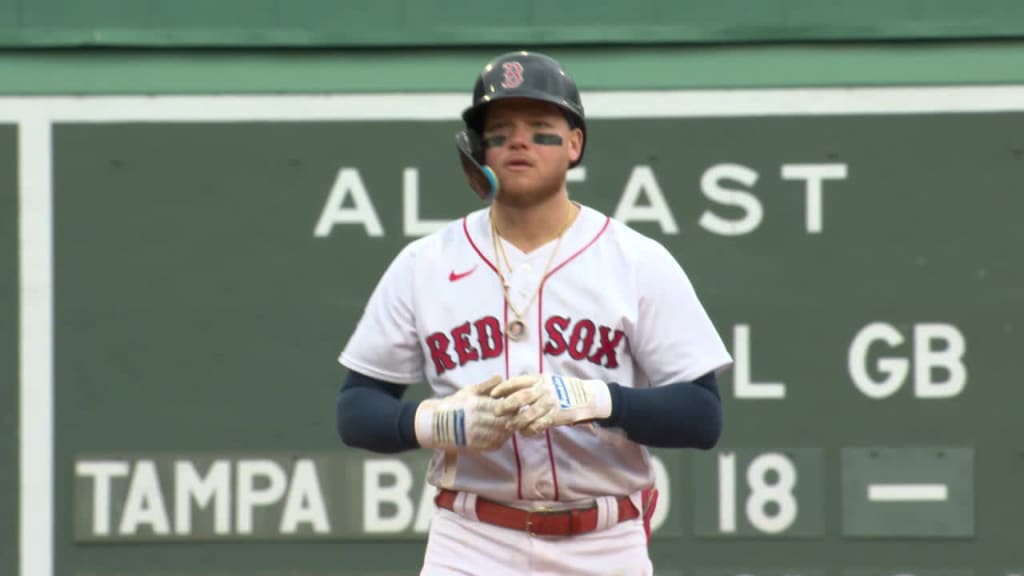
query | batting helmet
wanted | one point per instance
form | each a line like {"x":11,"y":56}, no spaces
{"x":530,"y":75}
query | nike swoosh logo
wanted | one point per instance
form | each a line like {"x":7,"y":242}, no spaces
{"x":454,"y":276}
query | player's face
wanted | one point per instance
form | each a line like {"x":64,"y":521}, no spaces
{"x":529,"y":145}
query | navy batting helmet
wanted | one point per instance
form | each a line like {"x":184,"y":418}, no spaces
{"x":530,"y":75}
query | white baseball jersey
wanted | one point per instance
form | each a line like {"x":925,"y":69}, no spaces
{"x":614,"y":305}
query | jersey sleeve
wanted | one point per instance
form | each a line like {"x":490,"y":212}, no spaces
{"x":385,"y":344}
{"x":674,"y":339}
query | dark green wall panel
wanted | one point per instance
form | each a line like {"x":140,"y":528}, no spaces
{"x":9,"y":379}
{"x":199,"y":313}
{"x":199,"y":310}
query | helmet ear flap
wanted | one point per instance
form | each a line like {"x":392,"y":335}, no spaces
{"x":481,"y":178}
{"x":474,"y":143}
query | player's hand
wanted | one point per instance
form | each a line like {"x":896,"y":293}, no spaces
{"x":467,"y":419}
{"x":536,"y":402}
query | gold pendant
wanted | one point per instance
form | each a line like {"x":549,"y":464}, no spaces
{"x":516,"y":330}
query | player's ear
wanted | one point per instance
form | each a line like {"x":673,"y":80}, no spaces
{"x":575,"y":144}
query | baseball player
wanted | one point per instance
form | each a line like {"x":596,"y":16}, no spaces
{"x":558,"y":344}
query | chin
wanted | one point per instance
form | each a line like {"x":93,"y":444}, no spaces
{"x":525,"y":194}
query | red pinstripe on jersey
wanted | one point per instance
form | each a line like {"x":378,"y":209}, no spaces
{"x":540,"y":323}
{"x":469,"y":237}
{"x":540,"y":347}
{"x":504,"y":351}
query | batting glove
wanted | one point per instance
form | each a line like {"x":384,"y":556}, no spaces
{"x":464,"y":419}
{"x":537,"y":402}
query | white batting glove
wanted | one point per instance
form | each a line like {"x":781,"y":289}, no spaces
{"x":537,"y":402}
{"x":464,"y":419}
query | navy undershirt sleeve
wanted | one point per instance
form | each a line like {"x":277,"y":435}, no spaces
{"x":372,"y":415}
{"x":680,"y":415}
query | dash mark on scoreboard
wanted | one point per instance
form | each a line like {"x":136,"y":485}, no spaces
{"x":933,"y":492}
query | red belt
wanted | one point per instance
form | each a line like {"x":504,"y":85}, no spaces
{"x":538,"y":522}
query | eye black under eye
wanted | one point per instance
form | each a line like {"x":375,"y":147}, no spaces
{"x":494,"y":141}
{"x":547,"y":139}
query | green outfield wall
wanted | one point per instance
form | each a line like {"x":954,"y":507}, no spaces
{"x":211,"y":256}
{"x":188,"y":235}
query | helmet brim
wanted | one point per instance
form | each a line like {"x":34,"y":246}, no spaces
{"x":474,"y":115}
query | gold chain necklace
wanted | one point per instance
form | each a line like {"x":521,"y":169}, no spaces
{"x":516,"y":329}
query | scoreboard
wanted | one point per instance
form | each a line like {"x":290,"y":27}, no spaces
{"x":858,"y":250}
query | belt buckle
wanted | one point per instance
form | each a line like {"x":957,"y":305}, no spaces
{"x":541,"y":511}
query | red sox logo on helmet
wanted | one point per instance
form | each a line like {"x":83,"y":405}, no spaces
{"x":513,"y":75}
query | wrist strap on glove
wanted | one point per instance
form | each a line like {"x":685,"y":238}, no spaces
{"x":439,"y":426}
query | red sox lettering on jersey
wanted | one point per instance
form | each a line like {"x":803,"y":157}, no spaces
{"x":482,"y":340}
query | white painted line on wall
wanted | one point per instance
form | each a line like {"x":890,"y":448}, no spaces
{"x":36,"y":346}
{"x":448,"y":106}
{"x":908,"y":492}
